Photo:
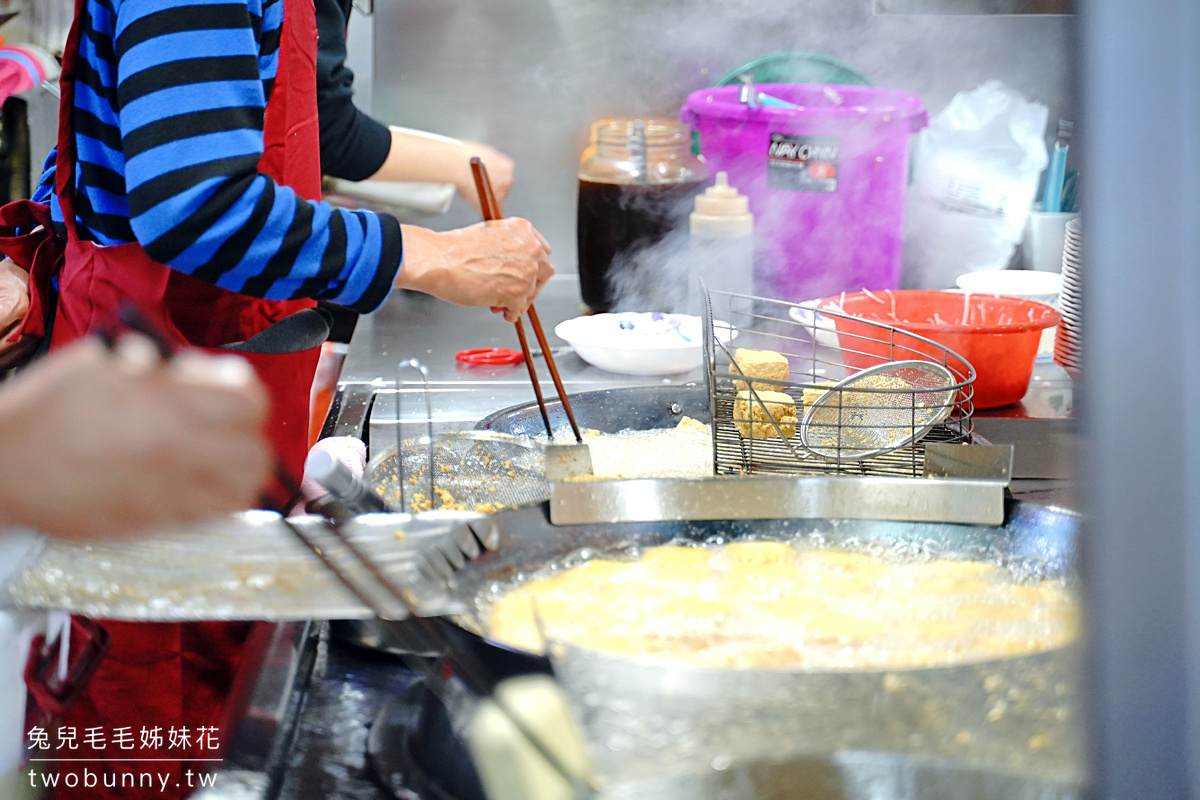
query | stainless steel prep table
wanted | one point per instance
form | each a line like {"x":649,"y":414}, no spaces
{"x":1044,"y":433}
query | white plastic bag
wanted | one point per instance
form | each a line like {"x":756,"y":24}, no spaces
{"x":975,"y":174}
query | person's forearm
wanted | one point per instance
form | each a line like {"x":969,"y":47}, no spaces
{"x":100,"y":443}
{"x":425,"y":264}
{"x":429,"y":158}
{"x":421,"y":157}
{"x":17,"y":405}
{"x":10,"y":457}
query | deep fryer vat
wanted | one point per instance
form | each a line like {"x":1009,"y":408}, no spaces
{"x":1015,"y":717}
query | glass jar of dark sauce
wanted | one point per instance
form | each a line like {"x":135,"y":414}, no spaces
{"x":637,"y":180}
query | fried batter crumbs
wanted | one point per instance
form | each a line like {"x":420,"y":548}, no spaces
{"x":447,"y":502}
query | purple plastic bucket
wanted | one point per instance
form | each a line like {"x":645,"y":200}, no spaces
{"x":826,"y":181}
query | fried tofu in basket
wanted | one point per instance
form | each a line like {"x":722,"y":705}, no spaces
{"x":752,"y":420}
{"x":759,"y":364}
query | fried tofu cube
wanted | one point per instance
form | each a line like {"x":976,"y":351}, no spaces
{"x":691,"y":425}
{"x":812,"y":395}
{"x":752,"y":420}
{"x":759,"y":364}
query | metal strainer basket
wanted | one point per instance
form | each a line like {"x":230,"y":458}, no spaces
{"x":878,"y":410}
{"x":831,"y":394}
{"x":483,"y":471}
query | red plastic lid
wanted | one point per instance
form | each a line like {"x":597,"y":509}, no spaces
{"x":490,"y":356}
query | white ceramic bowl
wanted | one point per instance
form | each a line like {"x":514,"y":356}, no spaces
{"x":635,"y":343}
{"x":1041,"y":287}
{"x":821,"y":328}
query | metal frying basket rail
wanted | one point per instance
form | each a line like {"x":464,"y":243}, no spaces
{"x":860,"y":397}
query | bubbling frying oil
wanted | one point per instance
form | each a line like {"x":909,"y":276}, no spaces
{"x":789,"y":605}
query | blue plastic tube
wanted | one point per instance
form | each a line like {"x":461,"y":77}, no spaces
{"x":1057,"y":171}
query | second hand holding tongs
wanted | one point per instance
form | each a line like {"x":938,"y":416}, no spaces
{"x":564,"y":460}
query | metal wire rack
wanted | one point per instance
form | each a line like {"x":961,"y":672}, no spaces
{"x":842,"y":406}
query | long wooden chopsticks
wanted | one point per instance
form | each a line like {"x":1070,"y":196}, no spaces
{"x":491,"y":211}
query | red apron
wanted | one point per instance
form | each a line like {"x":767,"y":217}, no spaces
{"x":158,"y":675}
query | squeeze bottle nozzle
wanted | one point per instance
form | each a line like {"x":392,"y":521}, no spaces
{"x":721,"y":212}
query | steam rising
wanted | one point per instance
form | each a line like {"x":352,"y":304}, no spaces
{"x":652,"y":278}
{"x":665,"y":276}
{"x":530,"y":76}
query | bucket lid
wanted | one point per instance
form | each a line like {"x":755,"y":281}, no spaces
{"x":833,"y":101}
{"x":795,"y":67}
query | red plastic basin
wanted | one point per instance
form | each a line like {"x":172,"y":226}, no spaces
{"x":997,"y":335}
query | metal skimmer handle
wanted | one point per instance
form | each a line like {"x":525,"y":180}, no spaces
{"x":337,"y":478}
{"x":413,"y":363}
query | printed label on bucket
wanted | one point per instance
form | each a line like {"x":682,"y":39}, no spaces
{"x":803,"y":163}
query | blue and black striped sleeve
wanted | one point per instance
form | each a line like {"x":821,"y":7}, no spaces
{"x":44,"y":191}
{"x":190,"y":100}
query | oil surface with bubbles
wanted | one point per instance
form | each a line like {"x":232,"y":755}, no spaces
{"x":794,"y":604}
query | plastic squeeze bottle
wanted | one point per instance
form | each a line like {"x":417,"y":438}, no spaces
{"x":722,"y":242}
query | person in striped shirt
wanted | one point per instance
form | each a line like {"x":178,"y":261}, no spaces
{"x":170,"y":102}
{"x":169,"y":119}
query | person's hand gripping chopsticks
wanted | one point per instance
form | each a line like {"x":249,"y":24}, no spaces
{"x":502,"y":264}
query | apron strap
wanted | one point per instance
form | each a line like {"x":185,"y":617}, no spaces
{"x":64,"y":164}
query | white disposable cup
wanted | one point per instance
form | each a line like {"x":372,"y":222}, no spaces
{"x":1045,"y":234}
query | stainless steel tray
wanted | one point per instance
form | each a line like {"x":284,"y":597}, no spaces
{"x":246,"y":566}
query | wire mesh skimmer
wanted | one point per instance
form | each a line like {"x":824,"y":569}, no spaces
{"x":482,"y":471}
{"x":878,"y":410}
{"x":474,"y":470}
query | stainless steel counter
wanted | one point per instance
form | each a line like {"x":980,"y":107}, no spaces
{"x":1042,"y":426}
